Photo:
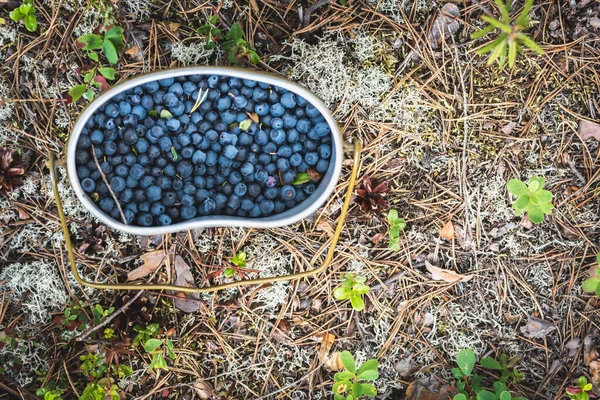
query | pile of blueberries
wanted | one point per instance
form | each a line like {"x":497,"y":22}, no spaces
{"x":239,"y":152}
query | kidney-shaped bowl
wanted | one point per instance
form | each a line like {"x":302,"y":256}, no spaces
{"x":290,"y":216}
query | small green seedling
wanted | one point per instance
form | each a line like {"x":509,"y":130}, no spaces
{"x":109,"y":41}
{"x":582,"y":391}
{"x":396,"y":225}
{"x":211,"y":32}
{"x":49,"y":394}
{"x":469,"y":384}
{"x":531,"y":198}
{"x":235,"y":45}
{"x":155,"y":347}
{"x":104,"y":389}
{"x":353,"y":288}
{"x":349,"y":383}
{"x":239,"y":260}
{"x":25,"y":12}
{"x":592,"y":284}
{"x":506,"y":366}
{"x":511,"y":39}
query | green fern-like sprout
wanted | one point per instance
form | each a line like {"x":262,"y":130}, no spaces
{"x":512,"y":39}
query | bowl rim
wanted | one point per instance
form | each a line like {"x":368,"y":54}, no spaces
{"x":307,"y":207}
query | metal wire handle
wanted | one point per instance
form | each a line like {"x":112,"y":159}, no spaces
{"x":52,"y":163}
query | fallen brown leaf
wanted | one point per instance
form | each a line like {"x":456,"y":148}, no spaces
{"x":254,"y":6}
{"x":378,"y":238}
{"x":174,"y":26}
{"x":186,"y":302}
{"x":447,"y":232}
{"x":151,"y":262}
{"x":537,"y":328}
{"x":439,"y":274}
{"x":588,"y":129}
{"x":203,"y":389}
{"x":508,"y":128}
{"x":324,"y":225}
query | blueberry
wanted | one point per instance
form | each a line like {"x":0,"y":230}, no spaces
{"x":212,"y":136}
{"x":150,"y":87}
{"x":234,"y":202}
{"x":157,"y":208}
{"x":288,"y":176}
{"x":260,"y":94}
{"x":240,"y":101}
{"x":230,"y":152}
{"x":208,"y":206}
{"x":147,"y":102}
{"x":295,"y":160}
{"x":303,"y":125}
{"x":176,"y":89}
{"x":255,"y":212}
{"x":124,"y":108}
{"x":271,"y":192}
{"x":145,"y":219}
{"x":324,"y":151}
{"x":276,"y":123}
{"x":277,"y":110}
{"x":213,"y":81}
{"x":166,"y":82}
{"x":177,"y":184}
{"x":189,"y":87}
{"x":201,"y":195}
{"x":284,"y":151}
{"x":312,"y":111}
{"x":240,"y":189}
{"x":88,"y":185}
{"x":83,"y":171}
{"x":220,"y":201}
{"x":283,"y":164}
{"x":254,"y":190}
{"x":82,"y":156}
{"x":134,"y":99}
{"x":289,"y":121}
{"x":96,"y":137}
{"x":144,"y":206}
{"x":228,"y":116}
{"x":322,"y":129}
{"x":153,"y":193}
{"x":311,"y":158}
{"x":288,"y":100}
{"x":177,"y":109}
{"x":261,"y":176}
{"x":261,"y":109}
{"x":188,"y":212}
{"x":164,"y":182}
{"x":266,"y":206}
{"x":164,"y":220}
{"x":122,"y":170}
{"x":173,"y":124}
{"x":224,"y":103}
{"x":288,"y":192}
{"x":322,"y":166}
{"x":109,"y":148}
{"x":227,"y":138}
{"x":235,"y":177}
{"x":261,"y":138}
{"x":169,"y":198}
{"x":277,"y":136}
{"x":165,"y":144}
{"x":185,"y":169}
{"x":112,"y":110}
{"x":247,"y":205}
{"x":271,"y":168}
{"x":107,"y":204}
{"x":130,"y":137}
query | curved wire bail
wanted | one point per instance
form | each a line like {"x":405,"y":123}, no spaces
{"x":52,"y":165}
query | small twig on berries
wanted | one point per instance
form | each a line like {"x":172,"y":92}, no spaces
{"x":108,"y":185}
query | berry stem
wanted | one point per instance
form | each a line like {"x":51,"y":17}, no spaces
{"x":108,"y":184}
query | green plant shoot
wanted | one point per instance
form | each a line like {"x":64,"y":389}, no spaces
{"x":239,"y":260}
{"x":349,"y":383}
{"x":396,"y":225}
{"x":25,"y":12}
{"x":582,"y":391}
{"x":592,"y":284}
{"x":511,"y":39}
{"x":353,"y":288}
{"x":531,"y":198}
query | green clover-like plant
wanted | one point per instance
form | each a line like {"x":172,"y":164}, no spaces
{"x":50,"y":394}
{"x":110,"y":41}
{"x":210,"y":31}
{"x":353,"y":288}
{"x":157,"y":349}
{"x":397,"y":224}
{"x":511,"y":39}
{"x":592,"y":284}
{"x":349,"y":383}
{"x":25,"y":12}
{"x":582,"y":391}
{"x":531,"y":198}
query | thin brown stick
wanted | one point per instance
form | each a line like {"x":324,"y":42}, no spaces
{"x":108,"y":185}
{"x":110,"y":318}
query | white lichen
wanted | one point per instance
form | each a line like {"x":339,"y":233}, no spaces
{"x":38,"y":285}
{"x":191,"y":54}
{"x":21,"y":358}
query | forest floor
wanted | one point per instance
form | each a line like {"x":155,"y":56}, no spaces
{"x":442,"y":129}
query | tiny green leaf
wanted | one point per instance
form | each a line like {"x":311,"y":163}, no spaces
{"x":107,"y":72}
{"x":16,"y":15}
{"x":110,"y":51}
{"x":357,"y":390}
{"x":482,"y":32}
{"x":91,"y":41}
{"x":245,"y":124}
{"x":357,"y":301}
{"x":369,"y":375}
{"x":368,"y":389}
{"x":174,"y":153}
{"x":490,"y":363}
{"x":521,"y":203}
{"x":348,"y":361}
{"x":486,"y":395}
{"x":254,"y":58}
{"x":505,"y":396}
{"x":152,"y":344}
{"x":535,"y":214}
{"x":342,"y":293}
{"x":517,"y":187}
{"x":166,"y":114}
{"x":369,"y":365}
{"x":30,"y":22}
{"x":77,"y":91}
{"x":466,"y":361}
{"x":460,"y":396}
{"x":89,"y":94}
{"x":93,"y":56}
{"x":343,"y":376}
{"x":301,"y":178}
